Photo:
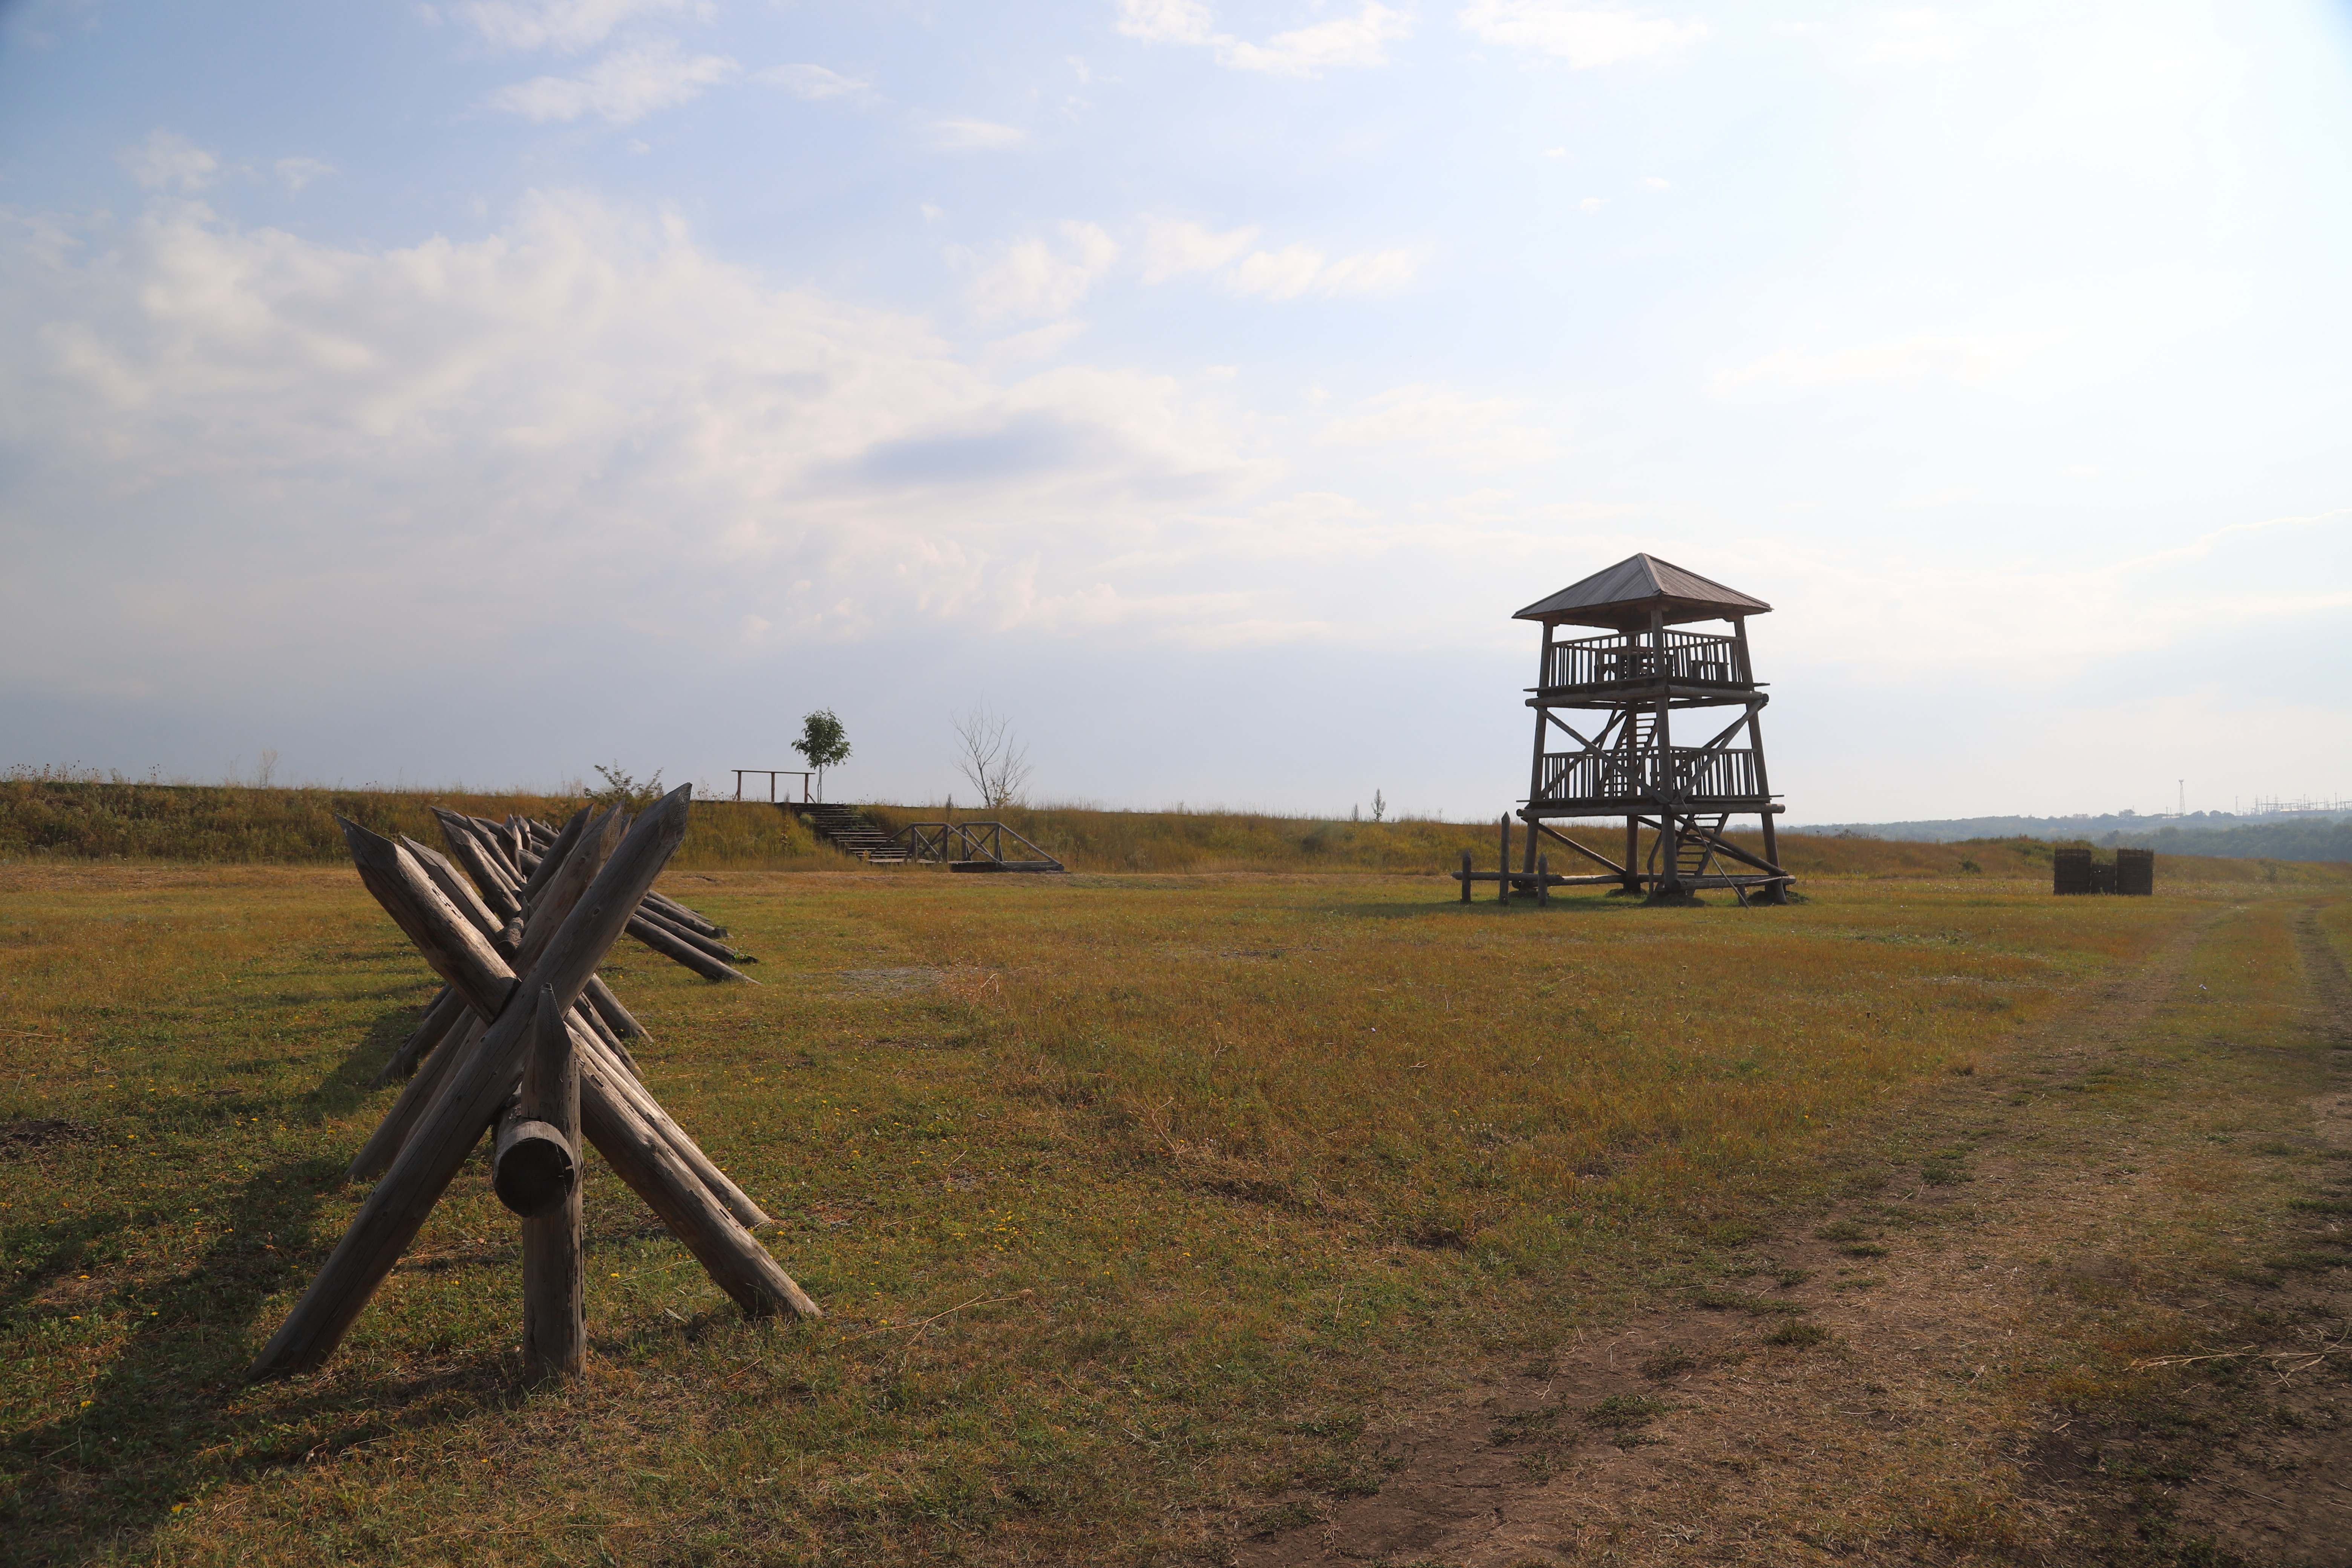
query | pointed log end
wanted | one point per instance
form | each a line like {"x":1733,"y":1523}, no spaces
{"x":369,"y":850}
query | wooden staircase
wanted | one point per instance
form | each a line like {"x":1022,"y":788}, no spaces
{"x":1693,"y":854}
{"x":852,"y":832}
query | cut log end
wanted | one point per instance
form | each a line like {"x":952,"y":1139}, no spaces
{"x":535,"y":1171}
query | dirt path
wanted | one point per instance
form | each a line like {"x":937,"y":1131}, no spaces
{"x":1880,"y":1389}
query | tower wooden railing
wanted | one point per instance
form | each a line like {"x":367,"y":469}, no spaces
{"x":1678,"y":772}
{"x":1696,"y":657}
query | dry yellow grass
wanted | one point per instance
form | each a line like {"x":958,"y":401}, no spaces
{"x":1131,"y":1198}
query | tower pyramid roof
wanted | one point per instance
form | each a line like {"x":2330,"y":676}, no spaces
{"x":1624,"y":596}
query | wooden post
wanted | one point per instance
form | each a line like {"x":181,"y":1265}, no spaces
{"x":1543,"y":717}
{"x":622,"y":1022}
{"x":1465,"y":876}
{"x":680,"y":915}
{"x":397,"y":1206}
{"x":1662,"y":745}
{"x":679,"y":950}
{"x":1543,"y":878}
{"x":593,"y":1022}
{"x":452,"y":944}
{"x":640,"y":1101}
{"x":641,"y":1157}
{"x":658,"y":908}
{"x":468,"y":853}
{"x":1502,"y":882}
{"x":1779,"y":892}
{"x":555,"y":1324}
{"x":662,"y":920}
{"x":455,"y":887}
{"x":382,"y":1147}
{"x":548,"y":857}
{"x":1632,"y":853}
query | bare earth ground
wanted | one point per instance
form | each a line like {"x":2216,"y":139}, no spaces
{"x":2010,"y":1382}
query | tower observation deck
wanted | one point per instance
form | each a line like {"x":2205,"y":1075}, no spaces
{"x":1632,"y":724}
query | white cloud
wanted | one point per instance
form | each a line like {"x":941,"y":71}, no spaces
{"x":1172,"y":248}
{"x":1035,"y":278}
{"x":974,"y":136}
{"x":1584,"y":36}
{"x":1358,"y":41}
{"x":581,"y":399}
{"x":1477,"y":432}
{"x":1300,"y":269}
{"x":296,"y":173}
{"x":1047,"y":341}
{"x":623,"y":87}
{"x":1656,"y":183}
{"x":1591,"y":204}
{"x":1905,"y":363}
{"x":168,"y":158}
{"x":566,"y":26}
{"x":815,"y":82}
{"x":1168,"y":21}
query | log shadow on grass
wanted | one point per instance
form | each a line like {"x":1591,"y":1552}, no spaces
{"x":353,"y":1078}
{"x":172,"y":1418}
{"x":153,"y":1432}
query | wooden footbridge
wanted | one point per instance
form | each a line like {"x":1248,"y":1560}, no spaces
{"x":958,"y":845}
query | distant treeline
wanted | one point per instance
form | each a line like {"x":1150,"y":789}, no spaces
{"x":2302,"y":839}
{"x":2316,"y":837}
{"x":230,"y":824}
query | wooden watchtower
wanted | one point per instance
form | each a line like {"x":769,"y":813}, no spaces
{"x":1608,"y":713}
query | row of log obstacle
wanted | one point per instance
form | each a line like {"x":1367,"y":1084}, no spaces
{"x":504,"y":867}
{"x":531,"y":1058}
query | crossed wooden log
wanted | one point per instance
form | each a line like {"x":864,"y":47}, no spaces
{"x":531,"y":1025}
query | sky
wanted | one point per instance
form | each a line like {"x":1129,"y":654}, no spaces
{"x":480,"y":392}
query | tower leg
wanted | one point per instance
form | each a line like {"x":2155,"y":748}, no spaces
{"x":1632,"y":853}
{"x":1670,"y":849}
{"x":1779,"y":890}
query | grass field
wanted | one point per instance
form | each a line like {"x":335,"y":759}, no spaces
{"x":1134,"y":1201}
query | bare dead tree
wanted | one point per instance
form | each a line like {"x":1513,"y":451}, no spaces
{"x":991,"y":756}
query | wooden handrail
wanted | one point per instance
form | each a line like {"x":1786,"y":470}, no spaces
{"x":1698,"y":658}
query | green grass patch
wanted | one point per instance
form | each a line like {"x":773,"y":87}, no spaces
{"x":1123,"y":1195}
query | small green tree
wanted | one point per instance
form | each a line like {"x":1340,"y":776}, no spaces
{"x":824,"y":744}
